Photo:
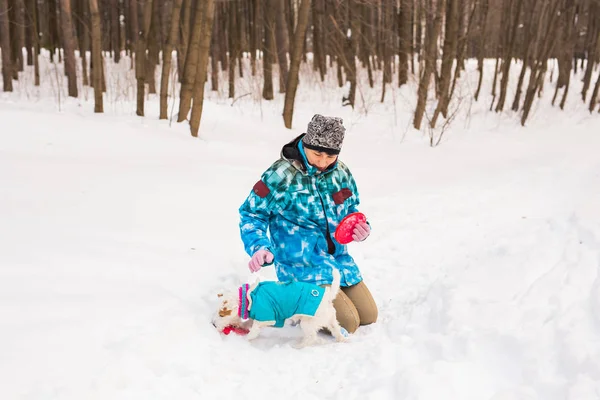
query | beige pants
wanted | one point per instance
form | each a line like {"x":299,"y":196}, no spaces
{"x":354,"y":306}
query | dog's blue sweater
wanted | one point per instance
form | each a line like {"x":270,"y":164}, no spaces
{"x":278,"y":301}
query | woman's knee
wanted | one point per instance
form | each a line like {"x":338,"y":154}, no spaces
{"x":346,"y":313}
{"x":362,"y":299}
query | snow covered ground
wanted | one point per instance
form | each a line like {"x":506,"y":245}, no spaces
{"x":116,"y":233}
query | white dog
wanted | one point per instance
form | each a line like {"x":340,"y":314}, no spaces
{"x":270,"y":303}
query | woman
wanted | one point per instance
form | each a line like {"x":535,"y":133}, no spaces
{"x":292,"y":212}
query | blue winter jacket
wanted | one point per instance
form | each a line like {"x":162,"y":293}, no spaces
{"x":293,"y":212}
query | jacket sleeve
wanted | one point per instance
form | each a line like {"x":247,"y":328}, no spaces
{"x":256,"y":211}
{"x":355,"y":199}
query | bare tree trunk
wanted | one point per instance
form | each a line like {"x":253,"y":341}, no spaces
{"x":221,"y":15}
{"x":7,"y":64}
{"x":366,"y":43}
{"x":183,"y":47}
{"x":114,"y":29}
{"x":449,"y":55}
{"x":168,"y":56}
{"x":140,"y":55}
{"x":52,"y":29}
{"x":419,"y":29}
{"x":350,"y":55}
{"x":280,"y":38}
{"x":32,"y":18}
{"x":191,"y":65}
{"x":539,"y":67}
{"x":291,"y":19}
{"x":593,"y":29}
{"x":595,"y":94}
{"x":268,"y":55}
{"x":214,"y":56}
{"x":527,"y":43}
{"x":254,"y":10}
{"x":134,"y":28}
{"x":153,"y":44}
{"x":463,"y":41}
{"x":17,"y":34}
{"x":233,"y":43}
{"x":69,"y":46}
{"x":29,"y":32}
{"x":508,"y":57}
{"x":204,"y":45}
{"x":482,"y":33}
{"x":319,"y":38}
{"x":566,"y":53}
{"x":386,"y":48}
{"x":299,"y":35}
{"x":404,"y":33}
{"x":430,"y":61}
{"x":96,"y":56}
{"x":82,"y":24}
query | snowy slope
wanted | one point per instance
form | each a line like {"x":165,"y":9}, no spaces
{"x":117,"y":232}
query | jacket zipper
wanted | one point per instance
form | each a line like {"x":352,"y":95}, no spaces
{"x":330,"y":244}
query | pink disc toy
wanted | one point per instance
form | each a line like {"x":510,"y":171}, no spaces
{"x":344,"y":231}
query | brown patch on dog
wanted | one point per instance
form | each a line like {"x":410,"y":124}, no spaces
{"x":220,"y":295}
{"x":224,"y":312}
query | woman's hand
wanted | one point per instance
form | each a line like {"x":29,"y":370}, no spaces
{"x":259,"y":259}
{"x":362,"y":230}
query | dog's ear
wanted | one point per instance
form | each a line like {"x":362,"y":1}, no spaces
{"x":219,"y":294}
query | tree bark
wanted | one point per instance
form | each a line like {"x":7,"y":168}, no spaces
{"x":595,"y":93}
{"x":352,"y":42}
{"x":204,"y":47}
{"x":430,"y":61}
{"x":17,"y":35}
{"x":268,"y":56}
{"x":168,"y":56}
{"x":153,"y":45}
{"x":52,"y":29}
{"x":214,"y":56}
{"x":299,"y":35}
{"x":508,"y":57}
{"x":319,"y":38}
{"x":96,"y":56}
{"x":448,"y":57}
{"x":7,"y":64}
{"x":527,"y":44}
{"x":404,"y":34}
{"x":233,"y":43}
{"x":191,"y":65}
{"x":84,"y":39}
{"x":32,"y":16}
{"x":29,"y":32}
{"x":69,"y":46}
{"x":481,"y":49}
{"x":183,"y":46}
{"x":541,"y":59}
{"x":140,"y":55}
{"x":280,"y":41}
{"x":115,"y":30}
{"x":593,"y":29}
{"x":134,"y":29}
{"x":566,"y":51}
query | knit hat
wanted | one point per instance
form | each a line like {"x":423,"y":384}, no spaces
{"x":324,"y":134}
{"x":243,"y":306}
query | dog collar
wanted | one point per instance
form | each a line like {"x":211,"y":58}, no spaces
{"x":243,"y":304}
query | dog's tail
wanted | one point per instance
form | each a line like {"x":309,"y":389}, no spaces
{"x":335,"y":284}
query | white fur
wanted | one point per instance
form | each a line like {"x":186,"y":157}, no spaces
{"x":325,"y":316}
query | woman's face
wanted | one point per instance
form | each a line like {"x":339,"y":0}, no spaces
{"x":320,"y":159}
